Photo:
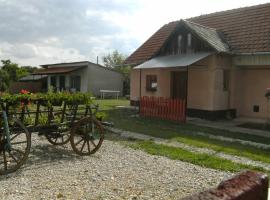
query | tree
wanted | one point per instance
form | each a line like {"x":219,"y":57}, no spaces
{"x":29,"y":69}
{"x":11,"y":72}
{"x":116,"y":60}
{"x":4,"y":80}
{"x":11,"y":69}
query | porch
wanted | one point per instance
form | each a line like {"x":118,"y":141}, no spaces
{"x":71,"y":78}
{"x":202,"y":80}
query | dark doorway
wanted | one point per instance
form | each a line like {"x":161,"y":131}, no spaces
{"x":62,"y":83}
{"x":179,"y":85}
{"x":53,"y":83}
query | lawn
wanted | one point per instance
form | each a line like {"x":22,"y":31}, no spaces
{"x":202,"y":159}
{"x":186,"y":133}
{"x":127,"y":119}
{"x":107,"y":104}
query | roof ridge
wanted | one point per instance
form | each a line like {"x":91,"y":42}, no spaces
{"x":242,"y":30}
{"x":230,"y":10}
{"x":196,"y":24}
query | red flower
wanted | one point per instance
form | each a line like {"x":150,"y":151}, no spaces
{"x":24,"y":91}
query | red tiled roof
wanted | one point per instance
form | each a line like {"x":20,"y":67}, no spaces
{"x":57,"y":70}
{"x":152,"y":45}
{"x":247,"y":30}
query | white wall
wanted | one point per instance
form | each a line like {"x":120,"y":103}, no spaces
{"x":100,"y":78}
{"x":93,"y":78}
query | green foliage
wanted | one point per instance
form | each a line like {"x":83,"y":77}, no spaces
{"x":101,"y":115}
{"x":116,"y":60}
{"x":10,"y":72}
{"x":11,"y":69}
{"x":50,"y":98}
{"x":21,"y":72}
{"x":4,"y":80}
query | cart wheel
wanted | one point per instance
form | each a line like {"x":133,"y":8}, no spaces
{"x":60,"y":137}
{"x":86,"y":136}
{"x":13,"y":158}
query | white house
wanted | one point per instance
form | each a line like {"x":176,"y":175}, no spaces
{"x":81,"y":76}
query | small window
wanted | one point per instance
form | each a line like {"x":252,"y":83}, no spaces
{"x":256,"y":108}
{"x":179,"y":41}
{"x":151,"y":83}
{"x":226,"y":80}
{"x":189,"y":40}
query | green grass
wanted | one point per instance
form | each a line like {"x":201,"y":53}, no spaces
{"x":167,"y":129}
{"x":108,"y":104}
{"x":228,"y":148}
{"x":204,"y":160}
{"x":186,"y":133}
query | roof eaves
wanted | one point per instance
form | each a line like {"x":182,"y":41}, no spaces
{"x":209,"y":35}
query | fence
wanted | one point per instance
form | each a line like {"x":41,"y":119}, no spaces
{"x":163,"y":108}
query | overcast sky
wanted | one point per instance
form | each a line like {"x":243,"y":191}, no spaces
{"x":35,"y":32}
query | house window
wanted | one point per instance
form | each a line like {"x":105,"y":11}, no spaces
{"x":189,"y":40}
{"x":179,"y":41}
{"x":75,"y":83}
{"x":62,"y":83}
{"x":226,"y":80}
{"x":151,"y":83}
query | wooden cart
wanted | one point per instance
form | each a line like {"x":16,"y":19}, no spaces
{"x":60,"y":122}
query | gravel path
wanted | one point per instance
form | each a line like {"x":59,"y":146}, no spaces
{"x":237,"y":159}
{"x":114,"y":172}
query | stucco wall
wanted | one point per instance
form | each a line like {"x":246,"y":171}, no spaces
{"x":247,"y":86}
{"x":100,"y":78}
{"x":199,"y":88}
{"x":205,"y":83}
{"x":163,"y":82}
{"x":250,"y":88}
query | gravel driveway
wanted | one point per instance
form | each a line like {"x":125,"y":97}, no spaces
{"x":114,"y":172}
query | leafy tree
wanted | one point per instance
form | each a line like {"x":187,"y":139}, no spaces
{"x":4,"y":80}
{"x":21,"y":72}
{"x":29,"y":69}
{"x":11,"y":69}
{"x":116,"y":60}
{"x":11,"y":72}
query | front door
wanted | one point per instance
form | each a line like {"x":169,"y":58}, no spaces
{"x":179,"y":85}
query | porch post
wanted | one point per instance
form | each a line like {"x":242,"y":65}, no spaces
{"x":67,"y":82}
{"x":57,"y":83}
{"x":140,"y":94}
{"x":186,"y":97}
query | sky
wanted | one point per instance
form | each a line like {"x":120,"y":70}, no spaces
{"x":36,"y":32}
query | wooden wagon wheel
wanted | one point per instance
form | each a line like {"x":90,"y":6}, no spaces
{"x":15,"y":157}
{"x":86,"y":136}
{"x":60,"y":136}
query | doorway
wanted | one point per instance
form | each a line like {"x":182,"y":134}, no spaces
{"x":179,"y":85}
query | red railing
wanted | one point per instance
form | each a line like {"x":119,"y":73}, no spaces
{"x":163,"y":108}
